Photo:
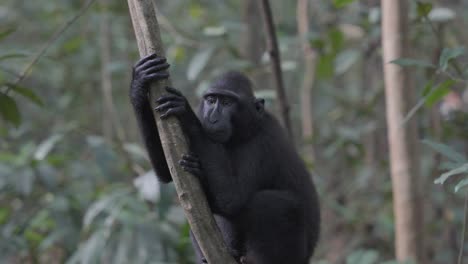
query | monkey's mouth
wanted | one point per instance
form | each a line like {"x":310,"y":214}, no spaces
{"x":220,"y":135}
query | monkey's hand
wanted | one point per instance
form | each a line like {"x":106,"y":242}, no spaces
{"x":190,"y":163}
{"x":173,"y":103}
{"x":150,"y":68}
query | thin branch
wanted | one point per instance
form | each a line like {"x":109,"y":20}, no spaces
{"x":451,"y":76}
{"x":51,"y":41}
{"x":176,"y":33}
{"x":113,"y":122}
{"x":462,"y":245}
{"x":440,"y":40}
{"x":273,"y":50}
{"x":310,"y":64}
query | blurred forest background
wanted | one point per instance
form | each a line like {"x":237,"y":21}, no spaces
{"x":75,"y":181}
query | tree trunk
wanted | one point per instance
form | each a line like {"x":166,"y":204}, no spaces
{"x":275,"y":57}
{"x":402,"y":137}
{"x":310,"y":61}
{"x":190,"y":193}
{"x":252,"y":45}
{"x":111,"y":124}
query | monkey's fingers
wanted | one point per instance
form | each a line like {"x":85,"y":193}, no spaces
{"x":169,"y":97}
{"x":173,"y":112}
{"x":145,"y":59}
{"x":158,"y":63}
{"x":168,"y":105}
{"x":189,"y":164}
{"x":194,"y":171}
{"x":156,"y":76}
{"x":173,"y":91}
{"x":156,"y":68}
{"x":191,"y":157}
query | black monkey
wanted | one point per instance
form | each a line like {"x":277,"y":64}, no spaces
{"x":257,"y":186}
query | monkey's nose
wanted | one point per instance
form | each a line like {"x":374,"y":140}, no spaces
{"x":213,"y":118}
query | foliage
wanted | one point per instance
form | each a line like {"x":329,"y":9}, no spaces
{"x":70,"y":190}
{"x":457,"y":164}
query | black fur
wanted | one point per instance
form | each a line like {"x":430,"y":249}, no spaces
{"x":257,"y":186}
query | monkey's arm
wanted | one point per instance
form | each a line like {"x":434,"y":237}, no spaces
{"x":149,"y":69}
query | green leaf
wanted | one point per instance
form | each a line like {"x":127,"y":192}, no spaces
{"x":4,"y":214}
{"x":135,"y":150}
{"x":447,"y":175}
{"x":199,"y":62}
{"x":428,"y":88}
{"x":73,"y":45}
{"x":46,"y":146}
{"x":342,"y":3}
{"x":196,"y":11}
{"x":9,"y":110}
{"x":25,"y":92}
{"x":317,"y":43}
{"x":407,"y":62}
{"x":446,"y":151}
{"x":94,"y":246}
{"x":325,"y":66}
{"x":462,"y":184}
{"x":439,"y":92}
{"x":449,"y":54}
{"x":336,"y":38}
{"x":6,"y":33}
{"x":12,"y":56}
{"x":107,"y":202}
{"x":345,"y":60}
{"x":33,"y":236}
{"x":424,"y":9}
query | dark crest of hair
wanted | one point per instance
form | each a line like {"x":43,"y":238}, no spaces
{"x":236,"y":82}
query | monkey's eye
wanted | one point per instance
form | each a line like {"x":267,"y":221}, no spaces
{"x":226,"y":101}
{"x":210,"y":99}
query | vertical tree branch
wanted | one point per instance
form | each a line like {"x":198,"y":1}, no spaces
{"x":190,"y":193}
{"x":252,"y":46}
{"x":402,"y":137}
{"x":463,"y":234}
{"x":273,"y":50}
{"x":310,"y":61}
{"x":112,"y":127}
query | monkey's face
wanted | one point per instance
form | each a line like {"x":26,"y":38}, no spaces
{"x":217,"y":113}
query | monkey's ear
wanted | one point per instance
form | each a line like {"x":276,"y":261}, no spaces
{"x":260,"y":105}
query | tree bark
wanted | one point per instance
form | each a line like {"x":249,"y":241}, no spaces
{"x":310,"y":61}
{"x":273,"y":50}
{"x":402,"y":137}
{"x":190,"y":193}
